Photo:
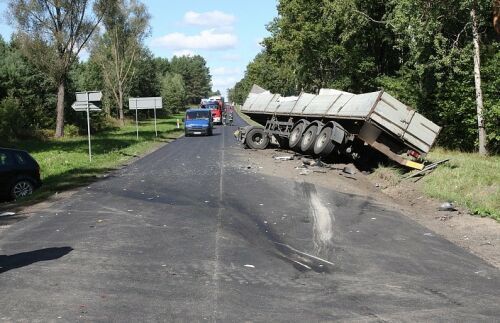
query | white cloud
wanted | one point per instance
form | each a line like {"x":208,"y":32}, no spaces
{"x":184,"y":52}
{"x":224,"y":71}
{"x":206,"y":39}
{"x":214,"y":18}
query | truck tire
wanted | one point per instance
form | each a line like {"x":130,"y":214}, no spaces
{"x":308,"y":139}
{"x":296,"y":136}
{"x":323,"y":146}
{"x":257,"y":139}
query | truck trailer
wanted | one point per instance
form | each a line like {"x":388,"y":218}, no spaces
{"x":334,"y":121}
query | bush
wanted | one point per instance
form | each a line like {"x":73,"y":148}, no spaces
{"x":11,"y":120}
{"x":71,"y":130}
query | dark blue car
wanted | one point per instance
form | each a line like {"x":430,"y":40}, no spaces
{"x":19,"y":173}
{"x":198,"y":122}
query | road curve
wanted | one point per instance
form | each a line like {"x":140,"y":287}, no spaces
{"x":188,"y":233}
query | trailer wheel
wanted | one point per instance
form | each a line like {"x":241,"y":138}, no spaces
{"x":257,"y":139}
{"x":308,"y":139}
{"x":324,"y":144}
{"x":296,"y":136}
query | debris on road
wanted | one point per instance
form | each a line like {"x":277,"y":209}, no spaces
{"x":447,"y":206}
{"x":249,"y":266}
{"x":349,"y":170}
{"x":7,"y":214}
{"x":283,"y":158}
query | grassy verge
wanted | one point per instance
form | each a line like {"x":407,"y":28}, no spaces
{"x":468,"y":180}
{"x":65,"y":162}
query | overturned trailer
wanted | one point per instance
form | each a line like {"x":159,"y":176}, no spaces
{"x":339,"y":122}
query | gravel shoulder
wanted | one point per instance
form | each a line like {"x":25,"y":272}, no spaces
{"x":480,"y":236}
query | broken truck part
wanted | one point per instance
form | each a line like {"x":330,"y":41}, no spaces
{"x":339,"y":122}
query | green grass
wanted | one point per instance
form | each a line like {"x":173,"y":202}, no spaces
{"x":468,"y":180}
{"x":65,"y":162}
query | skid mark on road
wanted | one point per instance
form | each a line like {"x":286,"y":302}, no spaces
{"x":322,"y":219}
{"x":322,"y":223}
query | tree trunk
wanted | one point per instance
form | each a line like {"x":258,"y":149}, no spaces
{"x":477,"y":80}
{"x":60,"y":110}
{"x":120,"y":105}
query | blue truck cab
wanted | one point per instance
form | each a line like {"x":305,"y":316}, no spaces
{"x":198,"y":122}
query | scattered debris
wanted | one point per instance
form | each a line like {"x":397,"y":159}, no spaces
{"x":249,"y":266}
{"x":428,"y":234}
{"x":305,"y":172}
{"x":349,"y":170}
{"x":7,"y":214}
{"x":284,"y":158}
{"x":426,"y":170}
{"x":99,"y":221}
{"x":447,"y":206}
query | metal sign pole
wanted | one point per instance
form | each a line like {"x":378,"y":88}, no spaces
{"x":156,"y":131}
{"x":88,"y":127}
{"x":136,"y":122}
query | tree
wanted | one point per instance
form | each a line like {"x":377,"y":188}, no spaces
{"x":126,"y":24}
{"x":53,"y":33}
{"x":173,"y":91}
{"x":196,"y":75}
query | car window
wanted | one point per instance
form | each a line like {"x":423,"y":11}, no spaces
{"x":21,"y":159}
{"x":5,"y":160}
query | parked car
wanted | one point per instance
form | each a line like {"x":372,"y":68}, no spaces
{"x":198,"y":122}
{"x":19,"y":173}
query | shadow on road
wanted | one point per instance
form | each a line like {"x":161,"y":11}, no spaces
{"x":22,"y":259}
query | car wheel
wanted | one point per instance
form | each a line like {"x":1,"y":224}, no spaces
{"x":22,"y":188}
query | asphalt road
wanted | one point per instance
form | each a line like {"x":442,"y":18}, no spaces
{"x":186,"y":234}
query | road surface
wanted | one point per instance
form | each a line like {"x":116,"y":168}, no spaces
{"x":187,"y":234}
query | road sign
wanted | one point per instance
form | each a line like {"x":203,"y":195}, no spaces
{"x":84,"y":103}
{"x":92,"y":96}
{"x":82,"y":106}
{"x":144,"y":104}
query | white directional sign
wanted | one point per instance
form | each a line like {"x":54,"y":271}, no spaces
{"x":82,"y":106}
{"x":145,"y":103}
{"x":92,"y":96}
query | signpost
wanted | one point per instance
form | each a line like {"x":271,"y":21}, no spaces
{"x":144,"y":104}
{"x":85,"y":102}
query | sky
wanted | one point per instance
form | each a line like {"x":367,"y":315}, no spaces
{"x":226,"y":33}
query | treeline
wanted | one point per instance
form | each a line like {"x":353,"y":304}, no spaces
{"x":40,"y":68}
{"x":421,"y":51}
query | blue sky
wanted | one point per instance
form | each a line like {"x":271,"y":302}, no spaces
{"x":226,"y":32}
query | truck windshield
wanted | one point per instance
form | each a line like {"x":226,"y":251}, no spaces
{"x":210,"y":106}
{"x":197,"y":115}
